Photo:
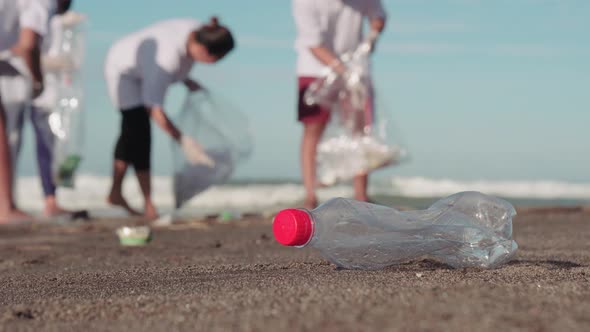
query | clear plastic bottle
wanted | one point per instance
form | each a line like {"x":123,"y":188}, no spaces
{"x":468,"y":229}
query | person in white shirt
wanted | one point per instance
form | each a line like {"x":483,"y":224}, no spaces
{"x":23,"y":23}
{"x":327,"y":29}
{"x":139,"y":68}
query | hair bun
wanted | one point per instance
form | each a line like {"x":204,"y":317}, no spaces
{"x":214,"y":22}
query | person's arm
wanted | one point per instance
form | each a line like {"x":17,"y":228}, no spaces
{"x":161,"y":119}
{"x":328,"y":58}
{"x":377,"y":19}
{"x":34,"y":23}
{"x":378,"y":24}
{"x":156,"y":81}
{"x":310,"y":34}
{"x":29,"y":48}
{"x":193,"y":151}
{"x":154,"y":86}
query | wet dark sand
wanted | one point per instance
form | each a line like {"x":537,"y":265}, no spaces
{"x":220,"y":277}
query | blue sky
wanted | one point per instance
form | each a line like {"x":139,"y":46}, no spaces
{"x":479,"y":89}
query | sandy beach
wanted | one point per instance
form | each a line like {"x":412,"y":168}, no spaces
{"x":211,"y":276}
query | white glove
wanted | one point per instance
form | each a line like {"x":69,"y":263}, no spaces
{"x":194,"y":152}
{"x":372,"y":36}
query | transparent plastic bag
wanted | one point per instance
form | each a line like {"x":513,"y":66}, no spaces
{"x":66,"y":120}
{"x":358,"y":139}
{"x":353,"y":84}
{"x":67,"y":125}
{"x":356,"y":143}
{"x":341,"y":158}
{"x":468,"y":229}
{"x":222,"y":131}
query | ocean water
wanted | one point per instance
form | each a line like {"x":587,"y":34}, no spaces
{"x":252,"y":196}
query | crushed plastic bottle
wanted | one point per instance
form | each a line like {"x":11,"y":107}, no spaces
{"x":467,"y":229}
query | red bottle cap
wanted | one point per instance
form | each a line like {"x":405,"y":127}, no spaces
{"x":292,"y":227}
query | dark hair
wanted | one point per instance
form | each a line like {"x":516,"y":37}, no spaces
{"x":216,"y":38}
{"x":63,"y":6}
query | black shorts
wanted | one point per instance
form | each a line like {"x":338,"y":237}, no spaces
{"x":135,"y":142}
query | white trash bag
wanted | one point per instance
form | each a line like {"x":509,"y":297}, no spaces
{"x":217,"y":138}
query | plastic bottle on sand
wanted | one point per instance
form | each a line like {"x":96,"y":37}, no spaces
{"x":468,"y":229}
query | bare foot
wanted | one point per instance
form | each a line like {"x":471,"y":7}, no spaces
{"x":118,"y":200}
{"x":14,"y":216}
{"x":58,"y":212}
{"x":54,"y":210}
{"x":150,"y":212}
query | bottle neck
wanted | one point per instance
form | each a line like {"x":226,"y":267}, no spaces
{"x":313,"y":229}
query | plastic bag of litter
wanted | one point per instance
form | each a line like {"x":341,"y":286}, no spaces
{"x":66,"y":119}
{"x":359,"y":137}
{"x":345,"y":152}
{"x":67,"y":124}
{"x":353,"y":85}
{"x":224,"y":134}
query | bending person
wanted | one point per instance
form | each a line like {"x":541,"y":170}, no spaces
{"x":139,"y":69}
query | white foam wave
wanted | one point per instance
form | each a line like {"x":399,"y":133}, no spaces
{"x":425,"y":187}
{"x":91,"y":192}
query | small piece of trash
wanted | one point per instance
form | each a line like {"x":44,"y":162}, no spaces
{"x":134,"y":236}
{"x":419,"y":275}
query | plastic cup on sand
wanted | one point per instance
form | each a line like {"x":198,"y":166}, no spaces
{"x":134,"y":236}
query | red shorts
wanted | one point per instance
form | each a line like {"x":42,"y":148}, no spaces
{"x":306,"y":113}
{"x":321,"y":114}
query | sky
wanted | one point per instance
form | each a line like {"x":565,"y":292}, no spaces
{"x":477,"y":89}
